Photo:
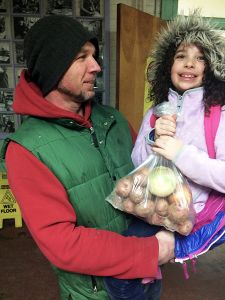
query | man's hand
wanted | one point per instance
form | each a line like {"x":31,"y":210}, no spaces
{"x":167,"y":146}
{"x":165,"y":125}
{"x":166,"y":246}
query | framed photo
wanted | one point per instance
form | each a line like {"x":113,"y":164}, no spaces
{"x":4,"y":27}
{"x":19,"y":53}
{"x":7,"y":124}
{"x":94,"y":26}
{"x":3,"y":6}
{"x":21,"y":25}
{"x":26,"y":6}
{"x":4,"y":53}
{"x":59,"y":7}
{"x":6,"y":100}
{"x":6,"y":77}
{"x":90,"y":8}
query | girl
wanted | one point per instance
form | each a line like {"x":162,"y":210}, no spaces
{"x":188,"y":70}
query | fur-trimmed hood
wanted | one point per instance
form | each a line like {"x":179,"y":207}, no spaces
{"x":190,"y":29}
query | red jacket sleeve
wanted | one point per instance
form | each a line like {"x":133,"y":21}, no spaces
{"x":51,"y":220}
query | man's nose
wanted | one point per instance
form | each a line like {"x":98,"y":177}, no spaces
{"x":95,"y":67}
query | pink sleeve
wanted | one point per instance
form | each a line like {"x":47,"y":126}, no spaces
{"x":51,"y":220}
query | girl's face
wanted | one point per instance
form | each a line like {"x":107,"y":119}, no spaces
{"x":188,"y":67}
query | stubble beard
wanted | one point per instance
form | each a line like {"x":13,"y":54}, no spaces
{"x":80,"y":98}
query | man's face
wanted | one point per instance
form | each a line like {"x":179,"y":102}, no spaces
{"x":78,"y":81}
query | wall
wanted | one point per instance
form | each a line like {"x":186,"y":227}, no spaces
{"x":213,"y":9}
{"x":150,"y":6}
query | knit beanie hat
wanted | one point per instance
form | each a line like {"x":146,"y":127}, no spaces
{"x":50,"y":47}
{"x":190,"y":29}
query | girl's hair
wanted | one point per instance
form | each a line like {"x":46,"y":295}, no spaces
{"x":192,"y":29}
{"x":214,"y":89}
{"x":160,"y":84}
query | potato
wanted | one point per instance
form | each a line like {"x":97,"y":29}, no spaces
{"x":128,"y":206}
{"x":124,"y":187}
{"x":182,"y":195}
{"x":185,"y":228}
{"x":177,"y":214}
{"x":157,"y":219}
{"x":137,"y":194}
{"x":140,"y":177}
{"x":169,"y":225}
{"x":161,"y":207}
{"x":144,"y":209}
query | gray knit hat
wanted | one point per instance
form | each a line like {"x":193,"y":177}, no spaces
{"x":50,"y":47}
{"x":190,"y":29}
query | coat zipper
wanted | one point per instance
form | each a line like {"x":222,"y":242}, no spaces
{"x":94,"y":284}
{"x":94,"y":137}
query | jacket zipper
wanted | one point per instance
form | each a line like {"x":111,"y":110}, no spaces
{"x":179,"y":103}
{"x":94,"y":284}
{"x":94,"y":137}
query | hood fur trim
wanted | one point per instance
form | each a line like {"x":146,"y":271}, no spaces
{"x":190,"y":29}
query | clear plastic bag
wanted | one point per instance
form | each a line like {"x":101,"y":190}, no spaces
{"x":156,"y":192}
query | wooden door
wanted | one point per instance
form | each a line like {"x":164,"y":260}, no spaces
{"x":135,"y":34}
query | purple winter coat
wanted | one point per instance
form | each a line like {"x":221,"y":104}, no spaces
{"x":202,"y":172}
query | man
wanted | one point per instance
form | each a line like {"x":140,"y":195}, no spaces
{"x":64,"y":160}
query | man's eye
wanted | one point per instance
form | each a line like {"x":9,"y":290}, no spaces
{"x":81,"y":57}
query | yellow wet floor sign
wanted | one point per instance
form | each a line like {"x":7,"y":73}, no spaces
{"x":9,"y":208}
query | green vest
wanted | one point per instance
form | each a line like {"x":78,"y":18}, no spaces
{"x":87,"y":164}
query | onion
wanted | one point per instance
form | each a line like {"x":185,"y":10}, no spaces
{"x":162,"y":181}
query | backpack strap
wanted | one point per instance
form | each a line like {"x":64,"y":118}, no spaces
{"x":211,"y":124}
{"x":152,"y":120}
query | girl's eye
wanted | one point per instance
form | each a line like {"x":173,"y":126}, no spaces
{"x":179,"y":56}
{"x":201,"y":58}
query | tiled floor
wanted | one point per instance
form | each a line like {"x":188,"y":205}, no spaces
{"x":26,"y":275}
